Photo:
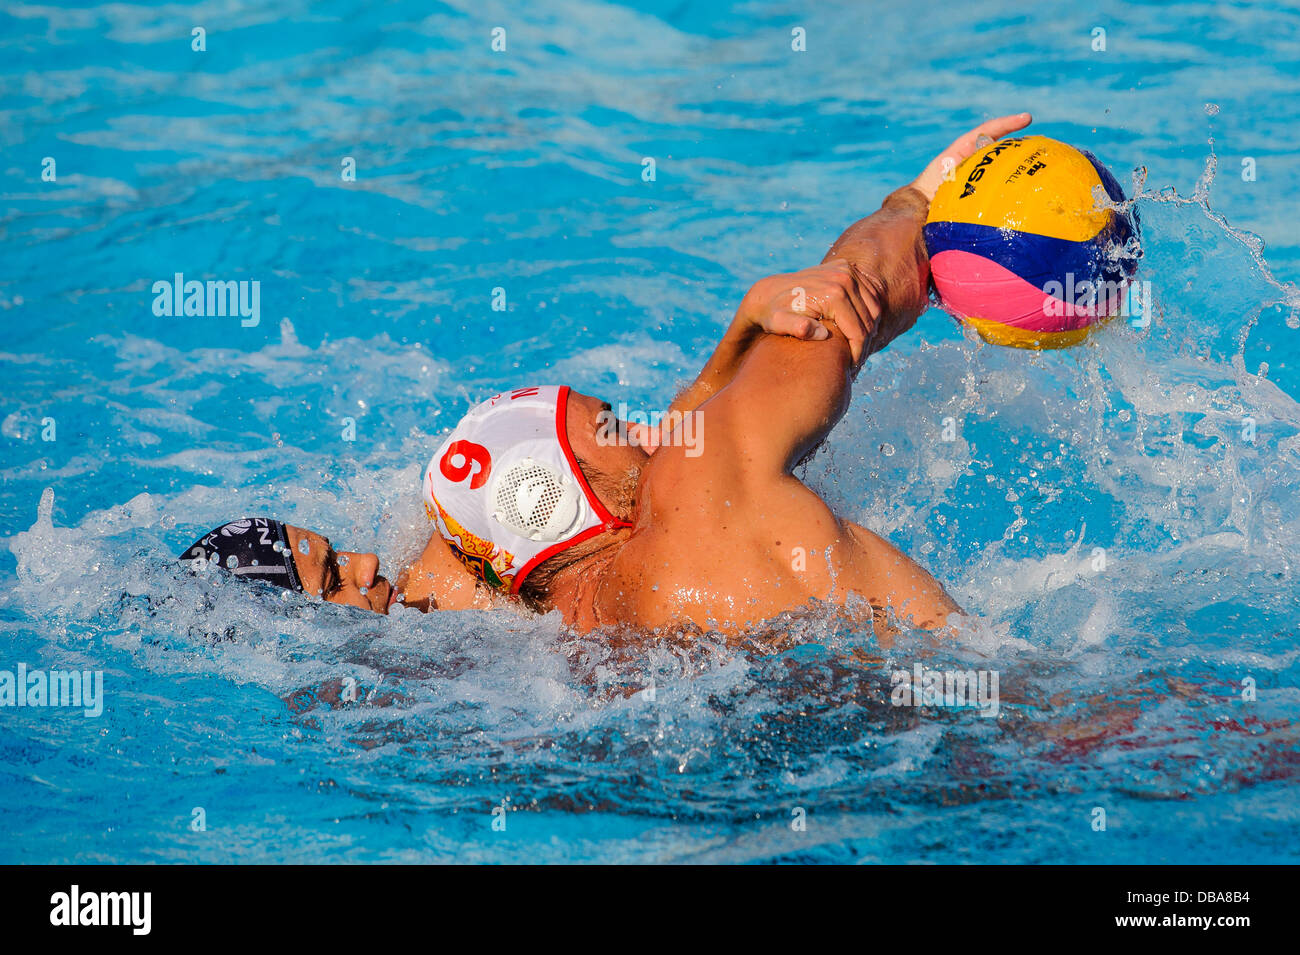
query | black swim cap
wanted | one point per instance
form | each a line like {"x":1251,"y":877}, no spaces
{"x":255,"y":547}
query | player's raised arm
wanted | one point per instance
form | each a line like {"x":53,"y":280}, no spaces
{"x":787,"y":394}
{"x":754,"y":318}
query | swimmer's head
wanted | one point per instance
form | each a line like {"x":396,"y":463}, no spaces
{"x":294,"y":558}
{"x":528,"y":475}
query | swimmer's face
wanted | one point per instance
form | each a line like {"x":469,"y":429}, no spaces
{"x":611,"y":452}
{"x":341,"y":577}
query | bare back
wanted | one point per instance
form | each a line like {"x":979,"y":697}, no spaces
{"x":709,"y":552}
{"x":722,"y":551}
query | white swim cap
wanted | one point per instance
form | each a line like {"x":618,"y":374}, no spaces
{"x":506,"y":491}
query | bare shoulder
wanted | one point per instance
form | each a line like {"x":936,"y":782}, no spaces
{"x":706,"y":548}
{"x":882,"y":573}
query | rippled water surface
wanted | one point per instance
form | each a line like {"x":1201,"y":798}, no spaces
{"x":1174,"y":449}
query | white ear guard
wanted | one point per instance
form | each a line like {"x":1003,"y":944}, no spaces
{"x":536,"y":501}
{"x":506,"y":490}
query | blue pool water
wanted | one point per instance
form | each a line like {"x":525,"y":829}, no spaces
{"x":1121,"y":670}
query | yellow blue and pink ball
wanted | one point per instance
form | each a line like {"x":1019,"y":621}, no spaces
{"x":1026,"y":245}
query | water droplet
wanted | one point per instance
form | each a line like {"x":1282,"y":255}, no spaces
{"x":400,"y":598}
{"x":232,"y":561}
{"x":364,"y":590}
{"x":887,"y":450}
{"x":276,"y":546}
{"x":304,"y":546}
{"x":343,"y":560}
{"x":1211,"y":109}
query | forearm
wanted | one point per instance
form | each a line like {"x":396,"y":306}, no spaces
{"x":785,"y":399}
{"x":881,"y":274}
{"x":886,"y":252}
{"x":718,"y":370}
